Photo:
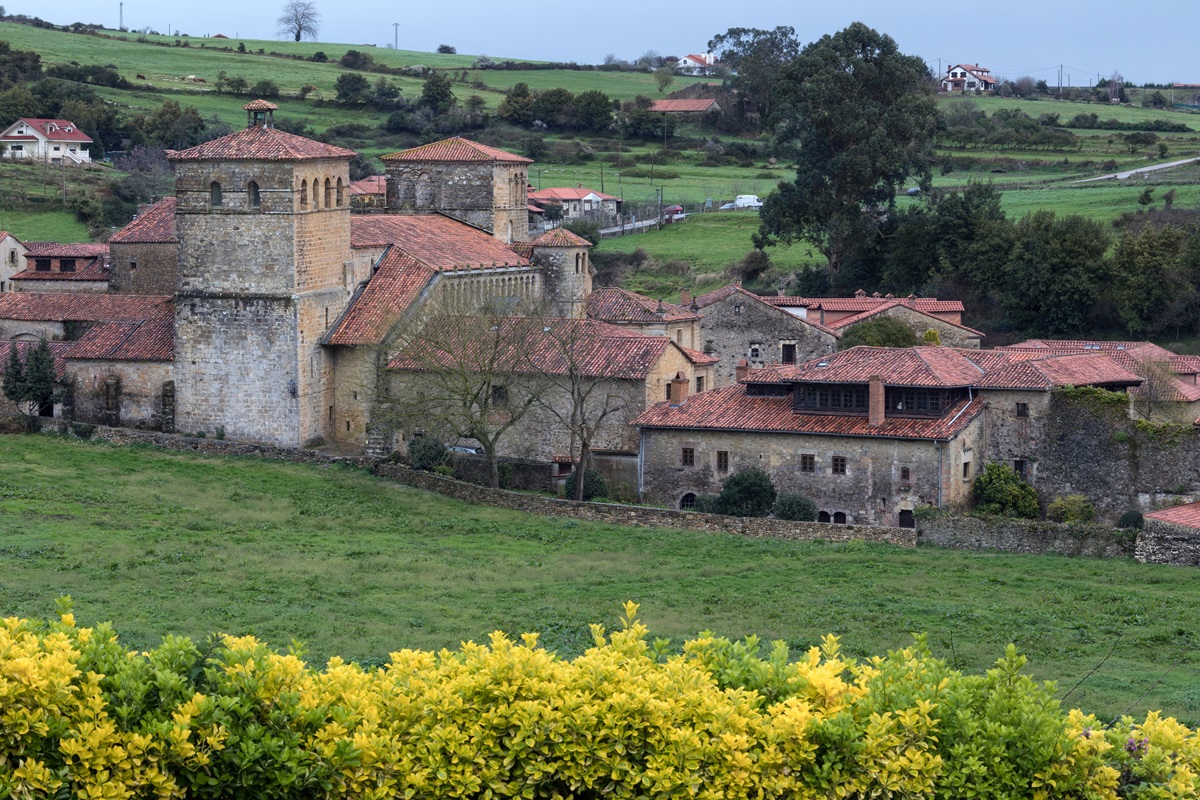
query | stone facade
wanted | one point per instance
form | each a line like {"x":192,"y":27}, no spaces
{"x":144,"y":268}
{"x":35,"y":285}
{"x":488,"y":195}
{"x":12,"y":260}
{"x":125,"y":393}
{"x":872,"y":489}
{"x":567,"y":278}
{"x":1026,"y":536}
{"x":950,"y":335}
{"x":741,"y":327}
{"x":1163,"y":542}
{"x":32,"y":330}
{"x":1016,"y":427}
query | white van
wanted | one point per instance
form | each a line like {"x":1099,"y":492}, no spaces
{"x":747,"y":201}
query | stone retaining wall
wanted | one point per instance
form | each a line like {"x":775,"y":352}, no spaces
{"x":1164,"y":543}
{"x":642,"y":516}
{"x":1026,"y":536}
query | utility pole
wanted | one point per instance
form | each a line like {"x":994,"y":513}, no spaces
{"x":121,"y":16}
{"x":395,"y":35}
{"x":1060,"y":66}
{"x":601,"y":176}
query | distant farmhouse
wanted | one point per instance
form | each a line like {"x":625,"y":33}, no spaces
{"x":696,"y":64}
{"x":968,"y":78}
{"x":57,"y":141}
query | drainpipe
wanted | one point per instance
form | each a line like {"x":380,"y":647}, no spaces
{"x":941,"y":477}
{"x":641,"y":451}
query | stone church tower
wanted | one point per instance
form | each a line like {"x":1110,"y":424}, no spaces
{"x":263,"y":222}
{"x":480,"y":185}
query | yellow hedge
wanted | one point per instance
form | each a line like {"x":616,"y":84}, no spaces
{"x":80,"y":716}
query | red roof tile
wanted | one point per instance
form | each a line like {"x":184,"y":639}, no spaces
{"x":457,"y":149}
{"x":934,"y":367}
{"x":845,"y":322}
{"x":1180,"y":365}
{"x":5,"y":234}
{"x":622,"y":305}
{"x":730,"y":408}
{"x":714,"y":297}
{"x":399,"y":279}
{"x":57,"y":130}
{"x":1065,"y":370}
{"x":260,"y":105}
{"x":705,"y":300}
{"x":80,"y":306}
{"x":96,"y":269}
{"x":566,"y":193}
{"x":65,"y":250}
{"x":436,"y":240}
{"x":1131,"y":356}
{"x":560,"y":237}
{"x":154,"y":225}
{"x":373,"y":184}
{"x":1185,"y":515}
{"x":151,"y":340}
{"x":260,"y":144}
{"x":682,"y":106}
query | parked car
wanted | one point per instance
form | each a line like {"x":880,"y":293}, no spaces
{"x":673,"y":210}
{"x":728,"y":207}
{"x":458,"y":448}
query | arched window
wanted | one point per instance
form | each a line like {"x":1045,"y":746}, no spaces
{"x":687,"y":502}
{"x":839,"y":518}
{"x":304,"y":195}
{"x":823,"y":516}
{"x":214,"y":195}
{"x":252,"y":196}
{"x":509,"y":240}
{"x":578,"y":262}
{"x":340,"y":197}
{"x":328,"y":193}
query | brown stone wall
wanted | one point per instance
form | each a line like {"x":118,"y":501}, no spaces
{"x":156,"y":271}
{"x":489,"y":196}
{"x":354,"y":388}
{"x":950,"y":335}
{"x":136,"y":401}
{"x":34,"y":285}
{"x":511,"y":200}
{"x":1010,"y":437}
{"x":1165,"y":543}
{"x":731,"y":327}
{"x":642,"y":516}
{"x":1025,"y":536}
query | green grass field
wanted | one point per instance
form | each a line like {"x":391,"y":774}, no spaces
{"x":170,"y":543}
{"x":43,"y":226}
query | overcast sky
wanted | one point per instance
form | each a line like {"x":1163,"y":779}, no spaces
{"x":1015,"y":38}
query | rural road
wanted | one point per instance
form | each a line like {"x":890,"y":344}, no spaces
{"x":1123,"y":175}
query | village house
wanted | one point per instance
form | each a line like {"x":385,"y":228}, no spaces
{"x":968,"y":78}
{"x":54,"y":267}
{"x":696,"y":64}
{"x":578,"y":203}
{"x":645,"y":315}
{"x":368,"y":193}
{"x":12,"y":259}
{"x":57,"y":141}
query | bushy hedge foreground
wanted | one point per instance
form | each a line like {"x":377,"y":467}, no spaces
{"x":80,"y":715}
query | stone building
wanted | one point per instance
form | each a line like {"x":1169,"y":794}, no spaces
{"x":635,"y":312}
{"x":1171,"y":536}
{"x":54,"y":267}
{"x":12,"y":259}
{"x":144,"y":255}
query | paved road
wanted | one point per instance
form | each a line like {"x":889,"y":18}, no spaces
{"x":1123,"y":175}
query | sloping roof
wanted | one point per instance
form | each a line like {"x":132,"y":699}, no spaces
{"x":525,"y":345}
{"x":716,"y":296}
{"x":683,"y":106}
{"x":438,"y":241}
{"x":567,"y":193}
{"x":930,"y":305}
{"x":149,"y":340}
{"x":560,"y":237}
{"x":399,"y":279}
{"x":845,"y":322}
{"x":622,"y":305}
{"x":96,"y":269}
{"x":372,"y":184}
{"x":56,"y":130}
{"x":155,"y":225}
{"x":5,"y":234}
{"x":79,"y":306}
{"x":259,"y":143}
{"x":1129,"y":355}
{"x":65,"y":250}
{"x":1063,"y":370}
{"x":1186,"y":515}
{"x":730,"y":408}
{"x":259,"y":105}
{"x":933,"y":367}
{"x":707,"y":299}
{"x":457,"y":149}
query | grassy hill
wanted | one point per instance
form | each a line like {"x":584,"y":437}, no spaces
{"x":170,"y":543}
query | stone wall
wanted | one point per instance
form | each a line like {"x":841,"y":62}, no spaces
{"x":128,"y":393}
{"x":487,"y":195}
{"x":60,"y":285}
{"x":734,"y":326}
{"x":950,"y":335}
{"x":1165,"y":543}
{"x":217,"y":447}
{"x":641,"y":516}
{"x":144,"y":268}
{"x":31,"y":330}
{"x":1025,"y":536}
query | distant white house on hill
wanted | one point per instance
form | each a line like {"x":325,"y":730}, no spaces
{"x":696,"y":64}
{"x":53,"y":140}
{"x":968,"y":78}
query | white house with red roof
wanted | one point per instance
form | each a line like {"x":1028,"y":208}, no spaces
{"x":53,"y":140}
{"x":578,"y":203}
{"x":696,"y":64}
{"x":968,"y":78}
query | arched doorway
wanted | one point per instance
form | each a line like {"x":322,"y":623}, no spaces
{"x":823,"y":516}
{"x":839,"y":518}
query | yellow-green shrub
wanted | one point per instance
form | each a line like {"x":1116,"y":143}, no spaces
{"x":81,"y":716}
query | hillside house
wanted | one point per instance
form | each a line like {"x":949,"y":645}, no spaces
{"x":368,"y":193}
{"x":696,"y":64}
{"x":57,"y":141}
{"x":684,"y":106}
{"x":968,"y":78}
{"x":579,"y":203}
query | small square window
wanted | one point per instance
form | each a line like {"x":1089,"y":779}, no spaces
{"x":789,"y":354}
{"x":755,"y":351}
{"x":132,"y":264}
{"x":722,"y":461}
{"x":966,"y":470}
{"x":1022,"y":409}
{"x":687,"y":457}
{"x":699,"y":384}
{"x":66,"y":265}
{"x":839,"y":465}
{"x":905,"y":474}
{"x":808,"y":462}
{"x":41,"y":265}
{"x":499,"y":395}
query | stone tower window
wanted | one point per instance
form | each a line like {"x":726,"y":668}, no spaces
{"x":578,"y":263}
{"x":340,"y":198}
{"x":214,"y":195}
{"x":424,"y":191}
{"x":304,"y":195}
{"x":252,"y":195}
{"x":328,"y":193}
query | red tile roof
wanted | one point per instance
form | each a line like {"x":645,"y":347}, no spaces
{"x":154,"y":225}
{"x":399,"y":280}
{"x":5,"y":234}
{"x":65,"y":250}
{"x":372,"y":184}
{"x":259,"y":105}
{"x":96,"y":269}
{"x":682,"y":106}
{"x":260,"y":144}
{"x":567,"y":193}
{"x":66,"y":131}
{"x":436,"y":240}
{"x":150,"y":340}
{"x":930,"y":305}
{"x":705,"y":300}
{"x":622,"y":305}
{"x":527,"y":345}
{"x":1186,"y":515}
{"x":457,"y":149}
{"x":1131,"y":356}
{"x":845,"y":322}
{"x":1065,"y":370}
{"x":730,"y":408}
{"x":1180,"y":365}
{"x":560,"y":237}
{"x":934,"y":367}
{"x":79,"y":306}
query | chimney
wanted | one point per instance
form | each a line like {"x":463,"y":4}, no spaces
{"x":685,"y":298}
{"x":860,"y":293}
{"x":741,"y":371}
{"x":875,"y":404}
{"x":679,"y":389}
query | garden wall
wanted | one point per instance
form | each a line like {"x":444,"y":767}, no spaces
{"x":1026,"y":536}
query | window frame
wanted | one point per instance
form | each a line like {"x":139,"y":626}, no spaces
{"x":687,"y":456}
{"x":808,"y":463}
{"x":838,"y":465}
{"x":722,"y":461}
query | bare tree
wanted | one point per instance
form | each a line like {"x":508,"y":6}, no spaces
{"x":1159,"y":390}
{"x":1116,"y":85}
{"x":299,"y":19}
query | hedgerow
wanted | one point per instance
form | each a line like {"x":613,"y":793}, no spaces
{"x":82,"y":716}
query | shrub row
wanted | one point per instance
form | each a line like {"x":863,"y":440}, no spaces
{"x":84,"y":716}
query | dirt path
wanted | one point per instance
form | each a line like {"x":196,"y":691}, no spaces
{"x":1123,"y":175}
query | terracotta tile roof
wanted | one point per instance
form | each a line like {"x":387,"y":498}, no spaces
{"x":5,"y":234}
{"x":621,"y":305}
{"x":705,"y":300}
{"x":1131,"y":356}
{"x":260,"y":144}
{"x":529,"y":345}
{"x":1065,"y":370}
{"x":1185,"y":515}
{"x":457,"y":149}
{"x":1180,"y":365}
{"x":1141,"y":350}
{"x":697,"y":357}
{"x":96,"y":269}
{"x":845,"y":322}
{"x":731,"y":409}
{"x":560,"y":237}
{"x":567,"y":193}
{"x":436,"y":240}
{"x":25,"y":348}
{"x":260,"y":105}
{"x":523,"y":249}
{"x":373,"y":184}
{"x":150,"y":340}
{"x":933,"y":367}
{"x":65,"y":250}
{"x":399,"y":279}
{"x":66,"y":131}
{"x":80,"y":306}
{"x":682,"y":106}
{"x":154,"y":225}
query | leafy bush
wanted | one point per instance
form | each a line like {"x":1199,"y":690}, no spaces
{"x":585,"y":229}
{"x":426,"y":452}
{"x":795,"y":506}
{"x":1072,"y":508}
{"x":1001,"y":491}
{"x":1131,"y":519}
{"x":706,"y":503}
{"x":878,"y":332}
{"x":594,"y":485}
{"x":747,"y":493}
{"x":84,"y":430}
{"x":444,"y":470}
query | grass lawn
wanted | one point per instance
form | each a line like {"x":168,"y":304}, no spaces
{"x":351,"y":565}
{"x":44,"y":226}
